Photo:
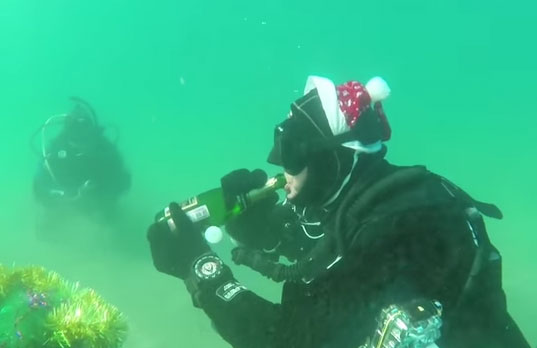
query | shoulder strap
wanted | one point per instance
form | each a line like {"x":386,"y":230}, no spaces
{"x":486,"y":209}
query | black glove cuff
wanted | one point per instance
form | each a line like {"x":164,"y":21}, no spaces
{"x":207,"y":274}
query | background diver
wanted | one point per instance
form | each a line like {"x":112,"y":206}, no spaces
{"x":81,"y":169}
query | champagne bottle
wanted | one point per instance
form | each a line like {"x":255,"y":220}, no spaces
{"x":209,"y":208}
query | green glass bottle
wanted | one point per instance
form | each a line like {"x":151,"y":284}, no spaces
{"x":209,"y":208}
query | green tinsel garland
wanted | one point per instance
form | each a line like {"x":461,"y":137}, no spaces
{"x":40,"y":309}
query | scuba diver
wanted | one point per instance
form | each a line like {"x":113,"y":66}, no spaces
{"x":367,"y":243}
{"x":81,"y":170}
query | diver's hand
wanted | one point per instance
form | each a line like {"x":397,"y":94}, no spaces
{"x":251,"y":227}
{"x":240,"y":182}
{"x":174,"y":251}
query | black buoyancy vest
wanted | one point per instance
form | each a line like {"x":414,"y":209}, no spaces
{"x":367,"y":198}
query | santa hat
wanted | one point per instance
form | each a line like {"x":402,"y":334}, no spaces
{"x":344,"y":107}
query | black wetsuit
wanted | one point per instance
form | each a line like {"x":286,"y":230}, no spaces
{"x":417,"y":239}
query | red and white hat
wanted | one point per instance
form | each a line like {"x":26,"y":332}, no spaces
{"x":344,"y":104}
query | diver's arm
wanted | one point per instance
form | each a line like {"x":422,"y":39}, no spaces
{"x":179,"y":249}
{"x":110,"y":173}
{"x":240,"y":316}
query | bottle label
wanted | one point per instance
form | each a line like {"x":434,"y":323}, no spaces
{"x":199,"y":213}
{"x":191,"y":202}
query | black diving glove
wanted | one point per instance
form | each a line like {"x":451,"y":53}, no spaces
{"x":251,"y":228}
{"x":174,"y":251}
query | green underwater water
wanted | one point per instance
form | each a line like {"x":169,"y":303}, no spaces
{"x":195,"y":89}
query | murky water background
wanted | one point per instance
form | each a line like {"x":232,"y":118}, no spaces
{"x":196,"y":87}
